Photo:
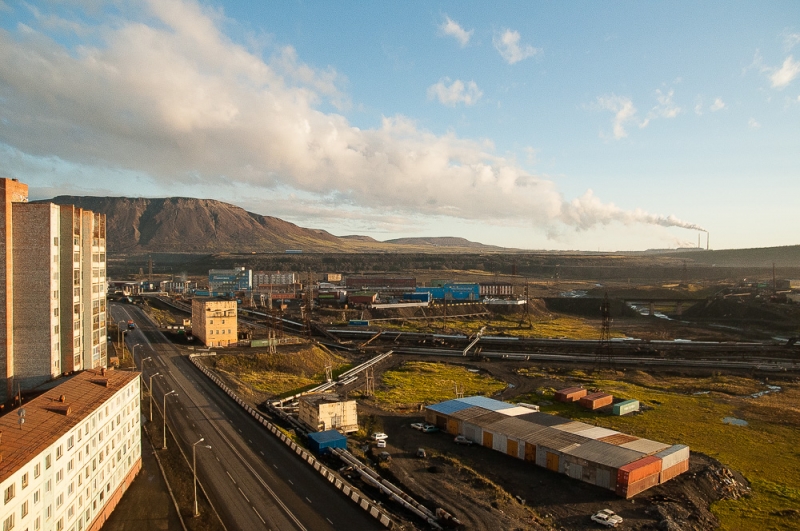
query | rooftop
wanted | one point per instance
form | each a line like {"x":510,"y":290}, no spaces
{"x":47,"y":418}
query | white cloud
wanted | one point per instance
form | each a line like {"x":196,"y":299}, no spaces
{"x":784,"y":75}
{"x":790,"y":40}
{"x":624,"y":113}
{"x":458,"y":92}
{"x":665,"y":108}
{"x":752,"y":123}
{"x":507,"y":43}
{"x":167,"y":97}
{"x":453,"y":29}
{"x":718,"y":105}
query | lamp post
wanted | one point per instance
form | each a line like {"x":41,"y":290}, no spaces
{"x":194,"y":471}
{"x":150,"y":388}
{"x":164,"y":411}
{"x":119,"y":334}
{"x":133,"y":353}
{"x":148,"y":358}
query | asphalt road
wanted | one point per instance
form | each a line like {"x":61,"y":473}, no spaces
{"x":253,"y":480}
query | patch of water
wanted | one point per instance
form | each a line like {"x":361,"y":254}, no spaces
{"x":701,"y":393}
{"x":734,"y":421}
{"x":574,"y":294}
{"x":768,"y":390}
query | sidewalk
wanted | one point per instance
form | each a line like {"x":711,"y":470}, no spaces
{"x":146,"y":506}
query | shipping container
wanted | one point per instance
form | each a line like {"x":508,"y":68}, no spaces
{"x":628,"y":406}
{"x":596,"y":400}
{"x":618,"y":439}
{"x":570,"y":394}
{"x":674,"y":470}
{"x":357,"y":322}
{"x":673,"y":455}
{"x":632,"y":489}
{"x":639,"y":469}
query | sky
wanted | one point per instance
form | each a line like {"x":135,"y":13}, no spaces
{"x":573,"y":125}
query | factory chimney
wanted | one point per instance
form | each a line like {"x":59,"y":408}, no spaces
{"x":708,"y":238}
{"x":698,"y":240}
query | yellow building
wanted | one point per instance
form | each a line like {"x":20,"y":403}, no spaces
{"x":326,"y":411}
{"x":214,"y":321}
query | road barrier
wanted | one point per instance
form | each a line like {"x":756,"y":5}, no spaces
{"x":348,"y":490}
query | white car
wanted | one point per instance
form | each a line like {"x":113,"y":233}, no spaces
{"x":607,"y":517}
{"x":379,"y":436}
{"x":460,"y":439}
{"x":381,"y":443}
{"x":417,"y":425}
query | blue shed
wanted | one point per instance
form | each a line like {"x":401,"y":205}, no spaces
{"x":321,"y":442}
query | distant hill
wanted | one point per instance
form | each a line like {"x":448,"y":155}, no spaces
{"x":188,"y":225}
{"x":442,"y":241}
{"x":784,"y":256}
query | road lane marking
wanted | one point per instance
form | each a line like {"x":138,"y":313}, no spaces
{"x":290,"y":481}
{"x":328,"y":519}
{"x":229,"y":475}
{"x":262,"y":453}
{"x":307,"y":498}
{"x":259,"y":516}
{"x":243,"y":495}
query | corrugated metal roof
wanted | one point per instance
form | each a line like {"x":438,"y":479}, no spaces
{"x":569,"y":390}
{"x":596,"y":432}
{"x":619,"y":438}
{"x":595,"y":396}
{"x":326,"y":436}
{"x":645,"y":446}
{"x":487,"y":419}
{"x":544,"y":419}
{"x":469,"y":413}
{"x":516,"y":411}
{"x":516,"y":428}
{"x":84,"y":393}
{"x":573,"y":427}
{"x":485,"y":402}
{"x":555,"y":439}
{"x":449,"y":407}
{"x":604,"y":454}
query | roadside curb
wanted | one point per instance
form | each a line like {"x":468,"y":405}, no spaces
{"x":348,"y":490}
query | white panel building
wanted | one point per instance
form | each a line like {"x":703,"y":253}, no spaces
{"x":67,"y":466}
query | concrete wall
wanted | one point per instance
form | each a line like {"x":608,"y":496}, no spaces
{"x":214,"y":322}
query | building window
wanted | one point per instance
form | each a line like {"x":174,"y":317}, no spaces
{"x":59,"y":476}
{"x":60,"y":500}
{"x":24,"y":510}
{"x":70,"y":442}
{"x":36,"y":497}
{"x":71,"y":465}
{"x":9,"y":493}
{"x":8,"y":523}
{"x":48,"y":461}
{"x":59,"y":451}
{"x":24,"y":480}
{"x":37,"y":469}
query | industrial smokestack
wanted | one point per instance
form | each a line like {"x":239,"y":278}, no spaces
{"x":708,"y":239}
{"x":698,"y":240}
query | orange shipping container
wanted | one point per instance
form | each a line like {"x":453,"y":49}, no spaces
{"x":632,"y":472}
{"x":636,"y":487}
{"x":596,"y":400}
{"x":674,"y":470}
{"x":570,"y":394}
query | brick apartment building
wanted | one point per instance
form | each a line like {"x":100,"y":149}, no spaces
{"x":52,"y":290}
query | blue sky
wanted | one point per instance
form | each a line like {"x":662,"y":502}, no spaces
{"x":538,"y":125}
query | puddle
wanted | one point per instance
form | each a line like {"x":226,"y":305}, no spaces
{"x":574,"y":294}
{"x":734,"y":421}
{"x":768,"y":390}
{"x":701,"y":393}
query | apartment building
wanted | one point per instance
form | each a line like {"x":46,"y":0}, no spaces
{"x":52,"y":290}
{"x":67,"y":465}
{"x":214,"y":321}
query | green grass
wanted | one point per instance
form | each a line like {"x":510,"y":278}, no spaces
{"x":766,"y":451}
{"x":418,"y":382}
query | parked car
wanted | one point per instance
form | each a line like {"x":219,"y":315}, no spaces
{"x":607,"y":517}
{"x":385,"y":456}
{"x":381,"y":443}
{"x":417,"y":425}
{"x":379,"y":436}
{"x":429,"y":428}
{"x":460,"y":439}
{"x":421,"y":453}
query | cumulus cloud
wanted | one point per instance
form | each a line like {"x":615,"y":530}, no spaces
{"x":753,"y":124}
{"x":507,"y":43}
{"x":458,"y":92}
{"x":166,"y":95}
{"x":718,"y":105}
{"x":781,"y":77}
{"x":453,"y":29}
{"x":624,"y":113}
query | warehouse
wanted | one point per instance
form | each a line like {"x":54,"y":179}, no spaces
{"x":615,"y":461}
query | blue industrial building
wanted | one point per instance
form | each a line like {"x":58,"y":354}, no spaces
{"x":230,"y":280}
{"x":321,"y":442}
{"x":452,"y":292}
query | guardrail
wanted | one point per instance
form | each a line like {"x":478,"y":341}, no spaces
{"x":347,"y":489}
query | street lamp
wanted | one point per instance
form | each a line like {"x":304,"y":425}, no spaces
{"x":164,"y":411}
{"x":133,"y":353}
{"x":194,"y":471}
{"x":148,"y":358}
{"x":119,"y":334}
{"x":151,"y":393}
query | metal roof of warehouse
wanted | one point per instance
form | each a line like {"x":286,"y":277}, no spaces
{"x":573,"y":427}
{"x":597,"y":432}
{"x":516,"y":428}
{"x":449,"y":407}
{"x":485,"y":402}
{"x":554,"y":439}
{"x":645,"y":446}
{"x":487,"y":419}
{"x":544,"y":419}
{"x":469,"y":413}
{"x":604,"y":454}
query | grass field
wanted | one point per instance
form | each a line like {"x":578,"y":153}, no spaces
{"x":560,"y":326}
{"x":418,"y":382}
{"x":766,"y":451}
{"x":279,"y":374}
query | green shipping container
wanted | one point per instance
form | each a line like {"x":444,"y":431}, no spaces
{"x":628,"y":406}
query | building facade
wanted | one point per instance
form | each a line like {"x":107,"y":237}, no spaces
{"x":264,"y":279}
{"x":327,"y":411}
{"x":67,"y":466}
{"x":52,"y":290}
{"x":230,"y":280}
{"x":214,"y":321}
